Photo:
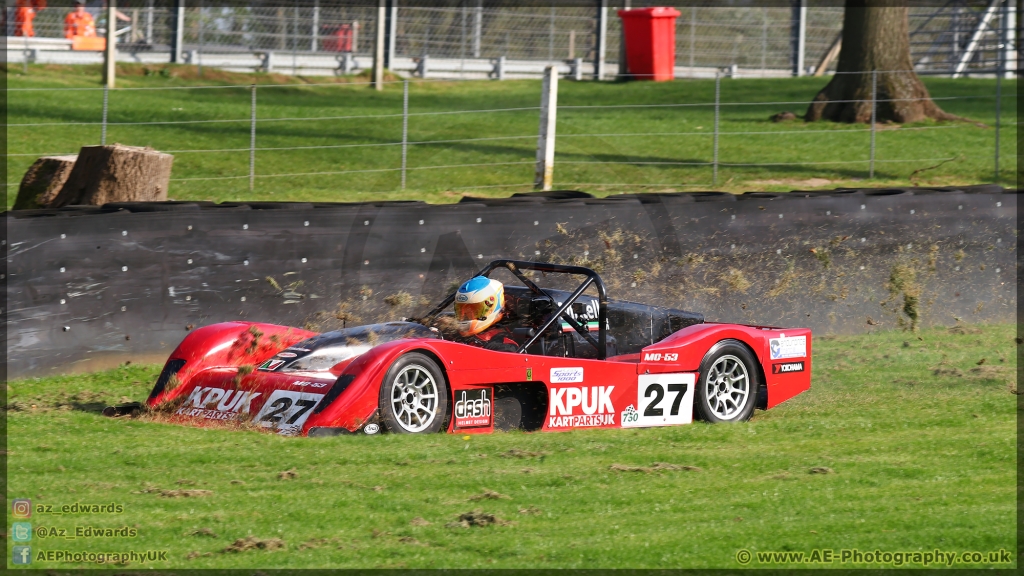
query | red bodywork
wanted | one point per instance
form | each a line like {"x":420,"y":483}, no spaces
{"x":218,"y":381}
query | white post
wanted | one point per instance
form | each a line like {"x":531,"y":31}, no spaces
{"x":314,"y":42}
{"x":179,"y":30}
{"x":800,"y":44}
{"x":602,"y":39}
{"x":623,"y":66}
{"x":110,"y":54}
{"x":478,"y":26}
{"x":149,"y":22}
{"x":389,"y":62}
{"x":1010,"y":66}
{"x":693,"y":34}
{"x":546,"y":138}
{"x":378,"y":48}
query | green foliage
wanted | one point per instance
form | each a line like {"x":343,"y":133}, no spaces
{"x":673,"y":136}
{"x":904,"y":442}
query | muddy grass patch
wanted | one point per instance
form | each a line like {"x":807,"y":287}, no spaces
{"x":477,"y":518}
{"x":253,"y":543}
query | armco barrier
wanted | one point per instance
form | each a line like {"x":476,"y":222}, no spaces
{"x":88,"y":286}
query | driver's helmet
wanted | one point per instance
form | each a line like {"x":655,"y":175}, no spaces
{"x":478,"y":305}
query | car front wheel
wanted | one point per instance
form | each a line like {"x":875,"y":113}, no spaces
{"x":414,"y":395}
{"x":727,"y":389}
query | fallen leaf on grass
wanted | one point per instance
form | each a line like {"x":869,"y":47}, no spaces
{"x":317,"y":543}
{"x":196,"y":554}
{"x":655,"y":467}
{"x":489,"y":495}
{"x":184,"y":482}
{"x":184,"y":493}
{"x":254,"y":543}
{"x":821,"y":470}
{"x":417,"y":521}
{"x":531,"y":509}
{"x":516,"y":453}
{"x":203,"y":532}
{"x":287,"y":474}
{"x":411,"y":540}
{"x":238,"y":481}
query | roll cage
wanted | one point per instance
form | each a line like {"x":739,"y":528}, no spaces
{"x":591,"y":277}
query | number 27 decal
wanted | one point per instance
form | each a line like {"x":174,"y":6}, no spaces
{"x":662,"y":400}
{"x":287,"y":410}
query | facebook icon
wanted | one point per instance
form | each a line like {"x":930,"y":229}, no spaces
{"x":22,"y":555}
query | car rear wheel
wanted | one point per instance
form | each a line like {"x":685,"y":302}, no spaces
{"x":727,"y":389}
{"x":414,"y":396}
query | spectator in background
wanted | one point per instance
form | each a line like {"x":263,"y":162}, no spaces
{"x":25,"y":12}
{"x":79,"y":22}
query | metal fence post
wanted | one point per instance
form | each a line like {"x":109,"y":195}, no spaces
{"x":602,"y":39}
{"x":199,"y":58}
{"x":405,"y":126}
{"x":718,"y":97}
{"x":252,"y":139}
{"x":1000,"y":72}
{"x":874,"y":113}
{"x":103,"y":130}
{"x":546,"y":139}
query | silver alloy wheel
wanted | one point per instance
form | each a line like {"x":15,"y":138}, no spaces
{"x":727,"y":387}
{"x":414,"y":398}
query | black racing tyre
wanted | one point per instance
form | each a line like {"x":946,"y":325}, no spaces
{"x":727,"y":385}
{"x":414,"y":396}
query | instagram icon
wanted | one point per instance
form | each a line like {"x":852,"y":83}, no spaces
{"x":21,"y":508}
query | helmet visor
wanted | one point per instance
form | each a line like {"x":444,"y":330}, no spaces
{"x":473,"y":310}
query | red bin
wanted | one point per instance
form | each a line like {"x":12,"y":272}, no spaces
{"x":650,"y":42}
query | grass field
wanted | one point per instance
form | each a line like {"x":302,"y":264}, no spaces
{"x":602,"y":150}
{"x":914,"y":436}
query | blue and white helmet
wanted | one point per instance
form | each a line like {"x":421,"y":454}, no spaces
{"x":478,"y":305}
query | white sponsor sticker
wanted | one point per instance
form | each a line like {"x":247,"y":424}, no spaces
{"x":371,"y":429}
{"x":791,"y":347}
{"x":287,"y":410}
{"x":565,"y":375}
{"x":662,"y":400}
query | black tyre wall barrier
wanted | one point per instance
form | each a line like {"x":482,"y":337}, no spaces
{"x":93,"y":286}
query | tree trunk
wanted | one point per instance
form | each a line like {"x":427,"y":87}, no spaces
{"x":116,"y":174}
{"x":43,"y":180}
{"x":876,"y":36}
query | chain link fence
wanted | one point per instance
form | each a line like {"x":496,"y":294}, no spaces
{"x":943,"y":36}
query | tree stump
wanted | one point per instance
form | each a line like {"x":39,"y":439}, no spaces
{"x":875,"y":37}
{"x":116,"y":173}
{"x":43,"y":180}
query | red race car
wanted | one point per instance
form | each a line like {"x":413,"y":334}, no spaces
{"x":582,"y":361}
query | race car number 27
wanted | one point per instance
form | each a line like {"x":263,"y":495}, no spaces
{"x":287,"y":410}
{"x":662,"y":400}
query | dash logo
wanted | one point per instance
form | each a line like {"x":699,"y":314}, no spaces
{"x":473,"y":408}
{"x":787,"y":367}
